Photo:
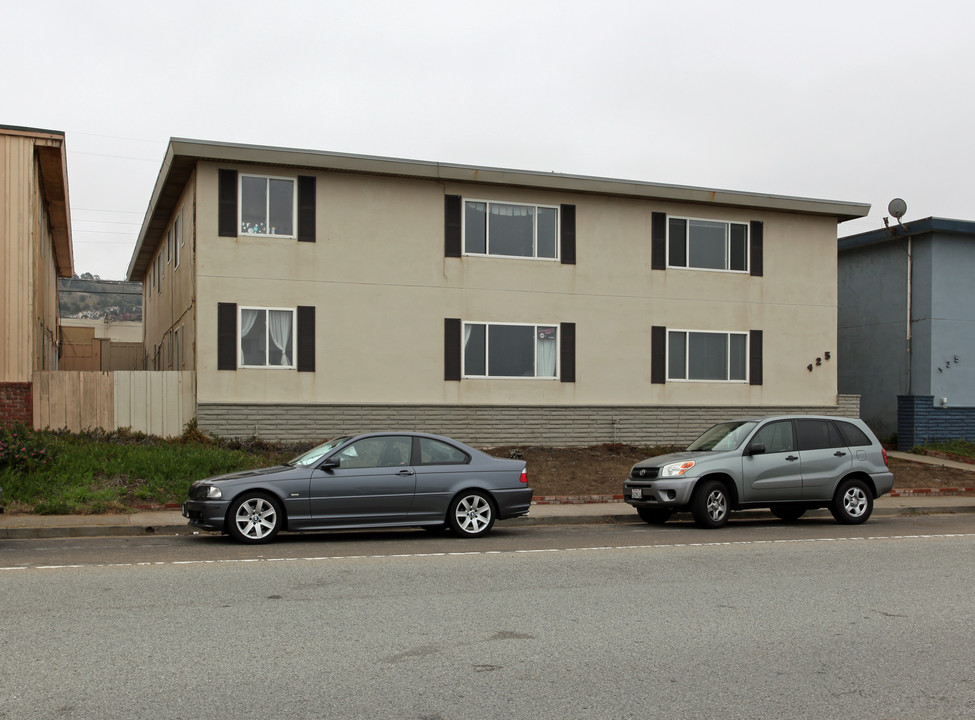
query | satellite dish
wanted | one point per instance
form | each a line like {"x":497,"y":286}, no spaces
{"x":897,"y":208}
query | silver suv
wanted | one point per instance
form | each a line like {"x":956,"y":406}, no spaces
{"x":788,"y":464}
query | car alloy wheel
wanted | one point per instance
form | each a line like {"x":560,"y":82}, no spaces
{"x":254,"y":519}
{"x":710,"y":505}
{"x":853,"y":502}
{"x":471,"y":514}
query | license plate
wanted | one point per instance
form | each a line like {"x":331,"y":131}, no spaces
{"x":636,"y":494}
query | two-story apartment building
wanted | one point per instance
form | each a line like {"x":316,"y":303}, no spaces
{"x":35,"y":250}
{"x":315,"y":293}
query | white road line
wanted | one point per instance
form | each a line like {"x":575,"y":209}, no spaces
{"x":469,"y":553}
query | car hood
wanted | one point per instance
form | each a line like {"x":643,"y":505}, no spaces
{"x":696,"y":456}
{"x":264,"y":473}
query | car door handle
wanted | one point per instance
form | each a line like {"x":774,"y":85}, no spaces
{"x":405,"y":473}
{"x":839,"y":453}
{"x":792,"y":458}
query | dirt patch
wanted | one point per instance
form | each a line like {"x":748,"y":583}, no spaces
{"x":601,"y":469}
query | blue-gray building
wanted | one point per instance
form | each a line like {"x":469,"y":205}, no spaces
{"x":906,"y":328}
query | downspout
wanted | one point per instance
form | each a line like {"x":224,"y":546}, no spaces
{"x":910,"y":290}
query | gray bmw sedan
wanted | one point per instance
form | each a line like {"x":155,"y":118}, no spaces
{"x":389,"y":479}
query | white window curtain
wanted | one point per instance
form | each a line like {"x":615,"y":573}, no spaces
{"x":279,"y":327}
{"x":547,"y":352}
{"x":247,"y":319}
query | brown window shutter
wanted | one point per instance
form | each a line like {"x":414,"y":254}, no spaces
{"x":226,"y":336}
{"x":568,"y":252}
{"x":451,"y":349}
{"x":757,"y":240}
{"x":306,"y":208}
{"x":755,"y":357}
{"x":306,"y":338}
{"x":227,"y":203}
{"x":658,"y":355}
{"x":567,"y":351}
{"x":451,"y":221}
{"x":658,"y":241}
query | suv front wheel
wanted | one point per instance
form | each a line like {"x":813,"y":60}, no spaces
{"x":710,"y":504}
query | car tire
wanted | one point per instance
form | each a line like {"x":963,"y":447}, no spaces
{"x":654,"y":516}
{"x":788,"y":513}
{"x":254,"y":518}
{"x":471,"y":514}
{"x":852,"y":503}
{"x":710,"y":504}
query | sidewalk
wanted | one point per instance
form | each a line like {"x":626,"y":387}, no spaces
{"x":171,"y":522}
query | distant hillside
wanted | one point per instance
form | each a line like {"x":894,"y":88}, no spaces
{"x":88,"y":296}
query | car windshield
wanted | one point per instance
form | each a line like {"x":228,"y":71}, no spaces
{"x":315,"y":454}
{"x":723,"y":436}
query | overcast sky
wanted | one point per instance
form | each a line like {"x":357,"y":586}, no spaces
{"x":857,"y":100}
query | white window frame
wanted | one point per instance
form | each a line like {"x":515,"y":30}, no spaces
{"x":727,"y":250}
{"x":727,"y":365}
{"x":487,"y":350}
{"x":267,"y":344}
{"x":487,"y":230}
{"x":294,"y":207}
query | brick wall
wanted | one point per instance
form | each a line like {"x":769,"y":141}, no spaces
{"x":919,"y":422}
{"x":492,"y":425}
{"x":16,"y":404}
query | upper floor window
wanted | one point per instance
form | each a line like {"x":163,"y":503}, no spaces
{"x":177,"y":238}
{"x":509,"y":229}
{"x":267,"y":206}
{"x":717,"y":356}
{"x":267,"y":337}
{"x":496,"y":350}
{"x":707,"y":244}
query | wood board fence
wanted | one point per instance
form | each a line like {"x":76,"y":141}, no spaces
{"x":153,"y":402}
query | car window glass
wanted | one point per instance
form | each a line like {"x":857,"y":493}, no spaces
{"x":835,"y":439}
{"x":776,"y":436}
{"x":376,"y":452}
{"x":855,"y":437}
{"x":435,"y":452}
{"x":813,"y":434}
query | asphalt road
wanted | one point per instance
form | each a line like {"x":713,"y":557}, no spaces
{"x":761,"y":620}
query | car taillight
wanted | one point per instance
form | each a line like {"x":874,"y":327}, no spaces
{"x":884,"y":451}
{"x":524,"y":476}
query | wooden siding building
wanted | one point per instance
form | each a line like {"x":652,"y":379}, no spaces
{"x":35,"y":249}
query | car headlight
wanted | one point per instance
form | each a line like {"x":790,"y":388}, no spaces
{"x":211,"y":492}
{"x":676,"y":469}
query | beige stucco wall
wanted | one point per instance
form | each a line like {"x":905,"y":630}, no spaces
{"x":382,"y":287}
{"x":169,"y":306}
{"x":28,"y":275}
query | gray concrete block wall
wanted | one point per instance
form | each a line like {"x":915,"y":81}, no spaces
{"x":486,"y":426}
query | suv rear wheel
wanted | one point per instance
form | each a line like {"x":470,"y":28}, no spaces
{"x":852,"y":503}
{"x":710,"y":504}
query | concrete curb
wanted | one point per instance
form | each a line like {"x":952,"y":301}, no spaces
{"x":569,"y":513}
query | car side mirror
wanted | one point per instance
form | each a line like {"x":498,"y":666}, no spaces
{"x":757,"y":449}
{"x":330,"y":463}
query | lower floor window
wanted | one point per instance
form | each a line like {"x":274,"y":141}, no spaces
{"x":707,"y":356}
{"x":267,"y":337}
{"x":498,"y":350}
